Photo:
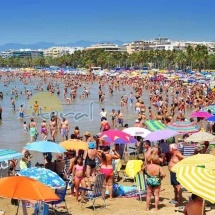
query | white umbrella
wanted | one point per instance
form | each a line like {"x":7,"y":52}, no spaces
{"x":137,"y":131}
{"x":200,"y":136}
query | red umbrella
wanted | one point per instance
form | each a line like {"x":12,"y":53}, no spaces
{"x":116,"y":136}
{"x":201,"y":114}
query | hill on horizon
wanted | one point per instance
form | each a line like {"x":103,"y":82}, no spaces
{"x":45,"y":45}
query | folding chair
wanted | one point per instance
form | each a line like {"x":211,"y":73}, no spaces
{"x":141,"y":185}
{"x":61,"y":193}
{"x":97,"y":191}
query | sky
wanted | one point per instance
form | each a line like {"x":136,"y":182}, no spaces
{"x":64,"y":21}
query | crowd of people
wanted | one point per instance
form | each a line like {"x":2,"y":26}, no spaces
{"x":167,"y":100}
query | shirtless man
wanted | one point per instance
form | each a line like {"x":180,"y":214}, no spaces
{"x":176,"y":157}
{"x":194,"y":207}
{"x":137,"y":106}
{"x":13,"y":103}
{"x":64,"y":128}
{"x":147,"y":154}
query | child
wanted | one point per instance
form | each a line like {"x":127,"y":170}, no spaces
{"x":25,"y":127}
{"x":78,"y":177}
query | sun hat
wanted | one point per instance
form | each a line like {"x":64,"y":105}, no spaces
{"x":91,"y":145}
{"x":87,"y":133}
{"x":173,"y":146}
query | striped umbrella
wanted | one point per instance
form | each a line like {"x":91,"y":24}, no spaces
{"x":154,"y":125}
{"x":210,"y":107}
{"x":201,"y":136}
{"x":184,"y":127}
{"x":7,"y":154}
{"x":199,"y":181}
{"x":206,"y":160}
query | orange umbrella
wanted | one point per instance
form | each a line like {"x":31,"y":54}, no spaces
{"x":23,"y":188}
{"x":74,"y":144}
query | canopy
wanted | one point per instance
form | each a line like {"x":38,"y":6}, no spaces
{"x":201,"y":136}
{"x":45,"y":146}
{"x":7,"y":154}
{"x":161,"y":134}
{"x":184,"y":127}
{"x":23,"y":188}
{"x":45,"y":176}
{"x":206,"y":160}
{"x":74,"y":144}
{"x":199,"y":181}
{"x":137,"y":131}
{"x":154,"y":125}
{"x":116,"y":136}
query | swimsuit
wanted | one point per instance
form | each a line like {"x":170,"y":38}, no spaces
{"x":32,"y":131}
{"x":64,"y":132}
{"x":106,"y":171}
{"x":90,"y":162}
{"x":79,"y":168}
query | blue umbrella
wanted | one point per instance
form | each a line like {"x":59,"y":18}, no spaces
{"x":45,"y":146}
{"x":7,"y":154}
{"x":43,"y":175}
{"x":211,"y":119}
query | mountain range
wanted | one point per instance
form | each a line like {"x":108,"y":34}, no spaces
{"x":45,"y":45}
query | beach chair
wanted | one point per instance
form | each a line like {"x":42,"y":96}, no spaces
{"x":141,"y":185}
{"x":97,"y":191}
{"x":61,"y":193}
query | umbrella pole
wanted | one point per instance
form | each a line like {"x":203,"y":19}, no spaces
{"x":17,"y":208}
{"x":24,"y":209}
{"x":203,"y":207}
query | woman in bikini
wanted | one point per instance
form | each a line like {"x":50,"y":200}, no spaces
{"x":107,"y":167}
{"x":78,"y":177}
{"x":113,"y":116}
{"x":52,"y":127}
{"x":44,"y":130}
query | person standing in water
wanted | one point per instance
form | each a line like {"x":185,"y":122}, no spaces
{"x":33,"y":130}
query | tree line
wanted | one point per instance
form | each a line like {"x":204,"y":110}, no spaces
{"x":191,"y":58}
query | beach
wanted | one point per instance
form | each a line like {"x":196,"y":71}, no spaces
{"x":119,"y":206}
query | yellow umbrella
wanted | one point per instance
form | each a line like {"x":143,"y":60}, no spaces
{"x":199,"y":181}
{"x":74,"y":144}
{"x":133,"y":167}
{"x":206,"y":160}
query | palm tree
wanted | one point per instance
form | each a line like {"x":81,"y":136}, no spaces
{"x":181,"y":59}
{"x":201,"y":56}
{"x":190,"y":55}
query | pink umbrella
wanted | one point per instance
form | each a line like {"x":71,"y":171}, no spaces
{"x":201,"y":114}
{"x":116,"y":136}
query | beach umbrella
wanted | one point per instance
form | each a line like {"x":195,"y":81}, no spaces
{"x":161,"y":134}
{"x":116,"y":136}
{"x":199,"y":181}
{"x":211,"y":119}
{"x":137,"y":131}
{"x":201,"y":136}
{"x":201,"y":114}
{"x":184,"y":127}
{"x":45,"y":176}
{"x":7,"y":154}
{"x":206,"y":160}
{"x":133,"y":167}
{"x":23,"y":188}
{"x":154,"y":125}
{"x":74,"y":144}
{"x":210,"y":107}
{"x":45,"y":146}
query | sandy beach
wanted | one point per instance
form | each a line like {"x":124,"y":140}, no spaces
{"x":119,"y":206}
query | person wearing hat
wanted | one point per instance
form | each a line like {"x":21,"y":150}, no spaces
{"x":88,"y":137}
{"x":90,"y":159}
{"x":176,"y":157}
